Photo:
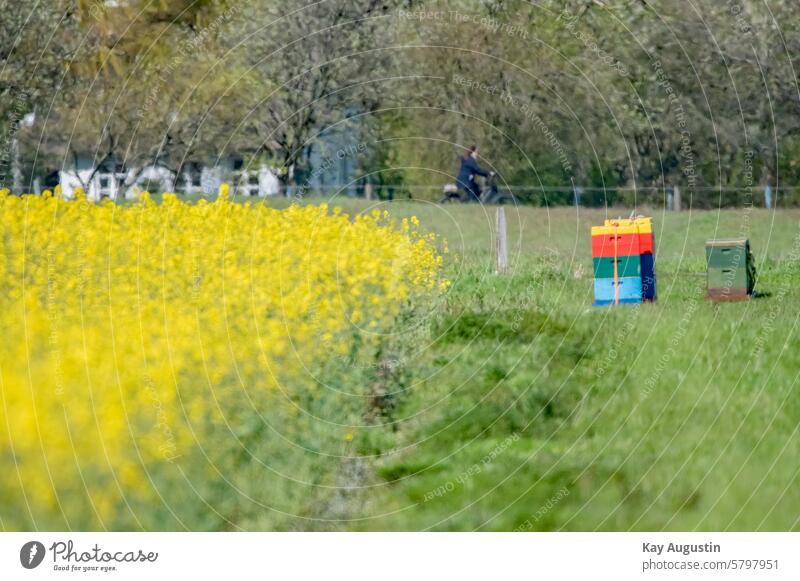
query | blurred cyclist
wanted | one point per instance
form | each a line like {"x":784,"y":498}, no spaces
{"x":467,"y":173}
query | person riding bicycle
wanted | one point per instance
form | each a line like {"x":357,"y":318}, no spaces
{"x":467,"y":173}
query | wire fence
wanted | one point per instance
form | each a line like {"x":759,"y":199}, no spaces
{"x":670,"y":197}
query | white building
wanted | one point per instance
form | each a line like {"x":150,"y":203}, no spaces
{"x":113,"y":181}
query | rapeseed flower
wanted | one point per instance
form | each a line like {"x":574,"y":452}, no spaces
{"x":134,"y":333}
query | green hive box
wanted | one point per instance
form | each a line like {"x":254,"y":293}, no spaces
{"x":627,"y":266}
{"x":731,"y":270}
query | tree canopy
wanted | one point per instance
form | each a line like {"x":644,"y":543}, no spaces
{"x":599,"y":93}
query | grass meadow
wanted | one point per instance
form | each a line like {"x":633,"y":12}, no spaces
{"x":519,"y":406}
{"x":496,"y":403}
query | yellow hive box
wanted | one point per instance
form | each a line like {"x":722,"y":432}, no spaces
{"x":629,"y":221}
{"x":643,"y":224}
{"x":606,"y":230}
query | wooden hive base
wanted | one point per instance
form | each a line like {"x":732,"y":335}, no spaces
{"x":728,"y":294}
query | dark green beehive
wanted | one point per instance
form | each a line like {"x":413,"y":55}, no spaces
{"x":731,"y":269}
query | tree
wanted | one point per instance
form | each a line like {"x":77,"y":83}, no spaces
{"x":38,"y":44}
{"x":320,"y":68}
{"x":153,"y":91}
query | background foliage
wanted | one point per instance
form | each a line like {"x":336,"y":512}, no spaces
{"x":605,"y":93}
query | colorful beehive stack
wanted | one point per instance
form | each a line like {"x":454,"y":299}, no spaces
{"x":624,"y":264}
{"x":731,"y":269}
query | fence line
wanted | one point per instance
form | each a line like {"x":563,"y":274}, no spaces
{"x":529,"y":187}
{"x":673,"y":197}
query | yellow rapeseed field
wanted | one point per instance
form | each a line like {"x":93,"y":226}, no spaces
{"x":133,"y":335}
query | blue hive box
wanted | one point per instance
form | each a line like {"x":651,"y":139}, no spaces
{"x":648,"y":277}
{"x":630,"y":290}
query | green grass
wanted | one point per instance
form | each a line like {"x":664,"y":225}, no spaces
{"x":521,"y":406}
{"x":512,"y":403}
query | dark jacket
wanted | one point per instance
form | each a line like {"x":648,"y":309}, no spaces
{"x":466,"y":175}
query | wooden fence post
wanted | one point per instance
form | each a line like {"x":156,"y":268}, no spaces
{"x":501,"y":241}
{"x":368,"y":191}
{"x":676,"y":199}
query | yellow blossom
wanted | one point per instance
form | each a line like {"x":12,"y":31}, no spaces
{"x":135,"y":333}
